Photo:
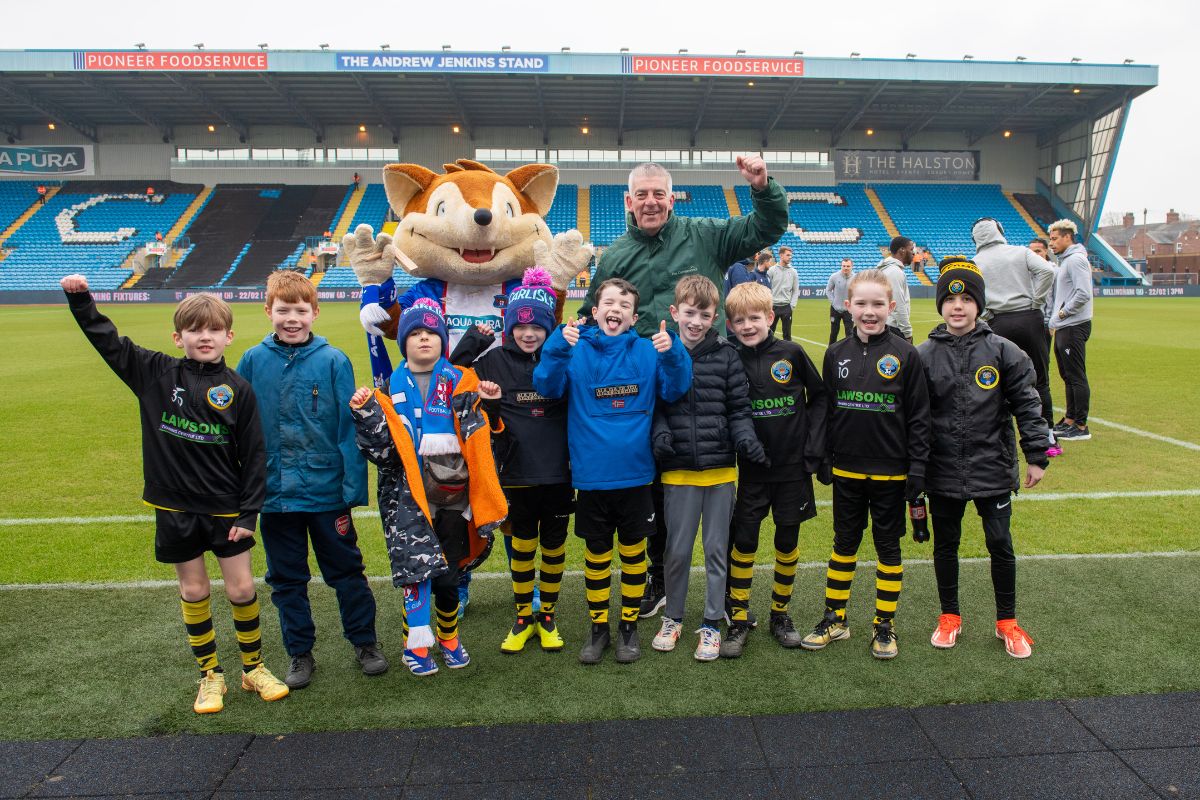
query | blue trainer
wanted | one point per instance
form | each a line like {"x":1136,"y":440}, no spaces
{"x":420,"y":665}
{"x":456,"y":658}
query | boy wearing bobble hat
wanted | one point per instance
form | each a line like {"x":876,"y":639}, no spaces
{"x":978,"y":381}
{"x":439,"y":494}
{"x":535,"y":468}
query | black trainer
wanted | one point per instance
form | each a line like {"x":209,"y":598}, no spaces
{"x":629,"y":647}
{"x":597,"y":643}
{"x":1075,"y":433}
{"x":653,"y":600}
{"x":371,"y":659}
{"x":734,"y":640}
{"x":784,"y":631}
{"x":751,"y":620}
{"x":300,"y":672}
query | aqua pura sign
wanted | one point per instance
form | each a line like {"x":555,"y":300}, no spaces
{"x":51,"y":160}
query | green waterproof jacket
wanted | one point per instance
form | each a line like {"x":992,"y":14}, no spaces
{"x":688,"y":246}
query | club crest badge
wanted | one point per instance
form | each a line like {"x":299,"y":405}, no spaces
{"x":781,"y":371}
{"x":888,"y":366}
{"x":220,"y":397}
{"x":342,"y":524}
{"x":987,"y":377}
{"x":957,"y":286}
{"x":524,"y":315}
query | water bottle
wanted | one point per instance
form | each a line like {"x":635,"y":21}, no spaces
{"x":919,"y":519}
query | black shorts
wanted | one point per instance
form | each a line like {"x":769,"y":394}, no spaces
{"x":630,"y":512}
{"x":544,"y":510}
{"x":180,"y":536}
{"x":790,"y":502}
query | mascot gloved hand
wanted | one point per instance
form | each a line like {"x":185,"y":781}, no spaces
{"x":468,"y":234}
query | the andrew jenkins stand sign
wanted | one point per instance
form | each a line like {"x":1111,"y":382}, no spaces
{"x":48,"y":161}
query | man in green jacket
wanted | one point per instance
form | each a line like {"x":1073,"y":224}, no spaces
{"x":659,"y":248}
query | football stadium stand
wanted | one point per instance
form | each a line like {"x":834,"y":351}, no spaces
{"x":92,"y":228}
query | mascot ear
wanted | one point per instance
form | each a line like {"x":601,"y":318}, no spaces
{"x":403,"y":182}
{"x":537,"y":182}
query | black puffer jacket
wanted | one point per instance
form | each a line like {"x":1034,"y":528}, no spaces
{"x":712,"y":421}
{"x":977,"y":383}
{"x":787,"y":403}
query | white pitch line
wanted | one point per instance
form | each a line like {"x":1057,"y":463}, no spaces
{"x":577,"y":573}
{"x":370,"y":513}
{"x":1138,"y":432}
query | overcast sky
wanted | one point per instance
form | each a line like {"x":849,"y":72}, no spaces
{"x":1158,"y":167}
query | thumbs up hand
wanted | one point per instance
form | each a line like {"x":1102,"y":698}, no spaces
{"x":571,"y":331}
{"x":662,"y":339}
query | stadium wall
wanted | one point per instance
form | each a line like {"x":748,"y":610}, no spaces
{"x":137,"y":153}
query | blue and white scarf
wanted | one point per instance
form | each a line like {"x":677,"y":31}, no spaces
{"x":430,"y":421}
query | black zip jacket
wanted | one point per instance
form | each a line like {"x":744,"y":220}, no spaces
{"x":878,"y":407}
{"x":787,"y":402}
{"x":712,"y":421}
{"x":532,"y":448}
{"x":977,"y":384}
{"x":202,"y":440}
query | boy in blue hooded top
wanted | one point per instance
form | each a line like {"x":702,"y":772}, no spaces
{"x":612,"y":378}
{"x":315,"y":475}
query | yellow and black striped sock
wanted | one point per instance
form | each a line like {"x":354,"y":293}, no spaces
{"x":523,"y":549}
{"x":888,"y":578}
{"x":785,"y":578}
{"x":741,"y":576}
{"x":447,"y":622}
{"x":838,"y":576}
{"x":249,"y":635}
{"x":554,"y":561}
{"x":633,"y":578}
{"x":597,"y":578}
{"x":197,"y":618}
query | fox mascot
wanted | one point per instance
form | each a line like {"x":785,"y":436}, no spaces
{"x":469,"y":233}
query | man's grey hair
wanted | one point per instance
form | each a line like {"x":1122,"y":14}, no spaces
{"x":649,"y":170}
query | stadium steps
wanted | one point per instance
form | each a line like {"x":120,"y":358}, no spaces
{"x":132,"y":281}
{"x":583,"y":212}
{"x":29,"y":212}
{"x":1025,"y":215}
{"x":316,"y":278}
{"x":298,"y":212}
{"x":348,"y":212}
{"x":195,"y":208}
{"x":884,"y":216}
{"x":219,"y":233}
{"x":731,"y":200}
{"x":389,"y":227}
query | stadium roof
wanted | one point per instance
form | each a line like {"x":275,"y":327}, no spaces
{"x":624,"y":92}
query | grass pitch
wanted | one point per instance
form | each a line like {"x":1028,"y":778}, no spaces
{"x":107,"y":662}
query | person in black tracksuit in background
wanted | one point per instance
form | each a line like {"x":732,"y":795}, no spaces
{"x":787,"y":402}
{"x":877,"y":442}
{"x":535,"y":470}
{"x":978,"y":381}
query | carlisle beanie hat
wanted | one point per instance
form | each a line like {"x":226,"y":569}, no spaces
{"x":959,"y":275}
{"x":423,"y":313}
{"x":531,"y":303}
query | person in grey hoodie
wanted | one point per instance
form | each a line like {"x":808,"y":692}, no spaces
{"x":1071,"y":321}
{"x":1019,"y":282}
{"x":785,"y":291}
{"x":900,"y":320}
{"x":836,"y":291}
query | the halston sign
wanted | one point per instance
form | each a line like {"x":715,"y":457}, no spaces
{"x":906,"y":165}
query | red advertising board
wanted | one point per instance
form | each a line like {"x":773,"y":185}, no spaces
{"x":715,"y":65}
{"x":168,"y":61}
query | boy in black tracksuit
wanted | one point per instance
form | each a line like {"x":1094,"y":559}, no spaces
{"x":787,"y":403}
{"x":205,"y":472}
{"x":535,"y":469}
{"x":978,"y":381}
{"x":877,"y":442}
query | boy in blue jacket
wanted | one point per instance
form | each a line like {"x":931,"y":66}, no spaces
{"x":611,"y":378}
{"x":315,"y":475}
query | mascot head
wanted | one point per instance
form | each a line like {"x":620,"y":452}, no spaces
{"x":470,"y":225}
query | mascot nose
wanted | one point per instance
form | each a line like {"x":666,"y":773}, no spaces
{"x":483,"y":216}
